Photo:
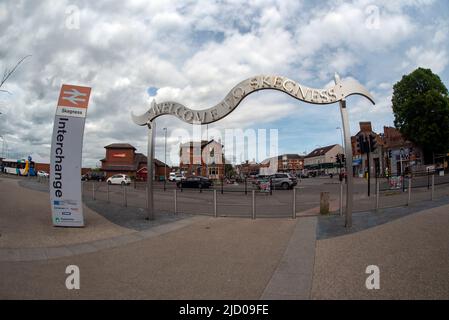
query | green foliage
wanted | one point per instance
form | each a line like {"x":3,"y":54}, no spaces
{"x":229,"y":169}
{"x":421,"y":109}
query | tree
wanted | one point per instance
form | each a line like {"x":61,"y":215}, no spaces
{"x":8,"y":72}
{"x":229,"y":169}
{"x":421,"y":110}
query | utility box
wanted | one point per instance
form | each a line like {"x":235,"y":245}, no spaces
{"x":324,"y":203}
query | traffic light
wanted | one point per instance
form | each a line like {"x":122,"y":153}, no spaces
{"x":343,"y":158}
{"x":338,"y":158}
{"x":372,"y":143}
{"x":363,"y":144}
{"x":360,"y":144}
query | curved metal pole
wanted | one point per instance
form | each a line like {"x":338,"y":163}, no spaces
{"x":339,"y":92}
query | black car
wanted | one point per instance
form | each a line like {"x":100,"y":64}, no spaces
{"x":96,"y":176}
{"x":195,"y":182}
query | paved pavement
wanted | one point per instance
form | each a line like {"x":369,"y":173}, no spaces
{"x":412,"y":254}
{"x":222,"y":258}
{"x":26,"y":221}
{"x":214,"y":258}
{"x":292,"y":279}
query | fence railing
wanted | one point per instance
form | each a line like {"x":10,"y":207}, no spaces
{"x":250,"y":202}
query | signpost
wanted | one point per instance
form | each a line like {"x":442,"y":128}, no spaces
{"x":337,"y":93}
{"x":65,"y":158}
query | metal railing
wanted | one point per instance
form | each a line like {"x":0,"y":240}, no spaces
{"x":238,"y":201}
{"x":261,"y":204}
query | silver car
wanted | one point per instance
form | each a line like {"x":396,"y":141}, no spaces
{"x":283,"y":181}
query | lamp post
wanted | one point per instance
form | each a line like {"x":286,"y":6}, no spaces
{"x":341,"y":133}
{"x":4,"y":147}
{"x":165,"y":159}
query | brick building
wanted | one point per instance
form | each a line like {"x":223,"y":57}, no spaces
{"x":323,"y":160}
{"x":122,"y":158}
{"x":203,"y":158}
{"x":400,"y":155}
{"x":290,"y":162}
{"x":360,"y":161}
{"x":248,"y":168}
{"x":394,"y":155}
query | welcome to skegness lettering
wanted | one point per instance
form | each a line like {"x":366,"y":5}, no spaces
{"x":59,"y":157}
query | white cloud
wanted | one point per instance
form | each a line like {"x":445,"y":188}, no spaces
{"x":427,"y":58}
{"x":195,"y":52}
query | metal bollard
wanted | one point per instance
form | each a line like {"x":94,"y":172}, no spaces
{"x":409,"y":198}
{"x":341,"y":198}
{"x":124,"y":196}
{"x":215,"y":203}
{"x":146,"y":195}
{"x":253,"y":204}
{"x":377,"y":195}
{"x":176,"y":201}
{"x":433,"y":187}
{"x":294,"y":203}
{"x":107,"y":184}
{"x":246,"y":187}
{"x":93,"y":191}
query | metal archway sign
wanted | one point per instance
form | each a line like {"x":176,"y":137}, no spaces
{"x":337,"y":93}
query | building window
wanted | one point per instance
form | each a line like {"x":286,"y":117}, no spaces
{"x":213,"y":171}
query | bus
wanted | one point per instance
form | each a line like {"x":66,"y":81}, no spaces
{"x":21,"y":167}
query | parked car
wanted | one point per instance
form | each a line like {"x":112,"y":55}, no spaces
{"x":42,"y":174}
{"x":96,"y":175}
{"x":179,"y":178}
{"x":283,"y":181}
{"x":194,"y":182}
{"x":119,"y":179}
{"x":176,"y":177}
{"x":171,"y":176}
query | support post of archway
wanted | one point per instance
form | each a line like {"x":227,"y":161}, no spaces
{"x":150,"y":165}
{"x":348,"y":156}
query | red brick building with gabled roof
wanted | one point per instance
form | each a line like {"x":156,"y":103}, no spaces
{"x":202,"y":158}
{"x":122,"y":158}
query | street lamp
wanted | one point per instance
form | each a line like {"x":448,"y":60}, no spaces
{"x":4,"y":147}
{"x":165,"y":158}
{"x":341,"y":132}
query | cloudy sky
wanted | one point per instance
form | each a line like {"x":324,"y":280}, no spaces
{"x":194,"y":52}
